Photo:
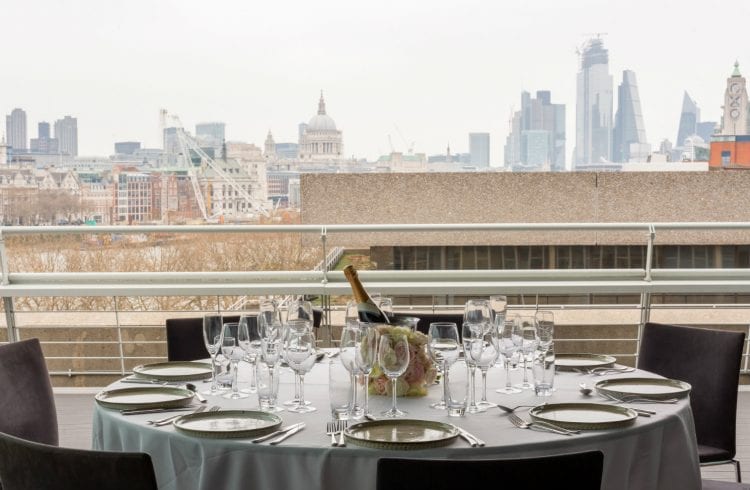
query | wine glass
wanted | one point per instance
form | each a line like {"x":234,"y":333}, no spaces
{"x":271,"y":347}
{"x":268,"y":317}
{"x":295,"y":325}
{"x":386,"y":305}
{"x":508,"y":341}
{"x":484,"y":352}
{"x":366,"y":355}
{"x":230,"y":348}
{"x":348,"y":346}
{"x":248,"y":337}
{"x":393,"y":357}
{"x":470,"y":333}
{"x":545,"y":327}
{"x":443,"y":345}
{"x":213,"y":332}
{"x":351,"y":316}
{"x":478,"y":311}
{"x":530,"y":342}
{"x":299,"y":309}
{"x":300,"y":355}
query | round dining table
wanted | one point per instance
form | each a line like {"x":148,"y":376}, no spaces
{"x":656,"y":452}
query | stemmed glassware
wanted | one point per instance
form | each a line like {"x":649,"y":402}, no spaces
{"x":232,"y":350}
{"x":470,"y":333}
{"x":300,"y":309}
{"x":271,"y":348}
{"x":483,"y":350}
{"x":444,"y":347}
{"x":478,"y":311}
{"x":248,"y":335}
{"x":393,"y":357}
{"x":299,"y":314}
{"x":213,"y":338}
{"x":300,"y":355}
{"x":545,"y":327}
{"x":365,"y":357}
{"x":509,"y":340}
{"x":348,"y":347}
{"x":528,"y":347}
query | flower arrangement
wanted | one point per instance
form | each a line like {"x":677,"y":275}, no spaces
{"x":419,"y":374}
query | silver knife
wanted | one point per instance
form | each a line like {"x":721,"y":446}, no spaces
{"x":288,"y":433}
{"x":277,"y":433}
{"x":139,"y":411}
{"x":470,"y":437}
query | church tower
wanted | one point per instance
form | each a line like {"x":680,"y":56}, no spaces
{"x":270,"y":147}
{"x":736,"y":118}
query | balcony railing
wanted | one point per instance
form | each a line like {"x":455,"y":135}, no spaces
{"x":128,"y":336}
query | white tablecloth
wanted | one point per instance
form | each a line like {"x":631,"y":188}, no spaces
{"x":659,"y":452}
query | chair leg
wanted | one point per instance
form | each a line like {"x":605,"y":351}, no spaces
{"x":736,"y":464}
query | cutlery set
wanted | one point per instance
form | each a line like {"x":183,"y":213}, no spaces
{"x":279,"y":435}
{"x":336,"y":428}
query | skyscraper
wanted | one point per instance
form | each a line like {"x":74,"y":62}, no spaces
{"x":630,"y":132}
{"x":593,"y":106}
{"x":66,"y":132}
{"x":537,"y":137}
{"x":15,"y":129}
{"x":43,"y":143}
{"x":210,"y":134}
{"x":689,"y":118}
{"x":479,"y":149}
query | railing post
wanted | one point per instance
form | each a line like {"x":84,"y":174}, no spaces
{"x":10,"y":310}
{"x":324,"y":299}
{"x":645,"y":318}
{"x":650,"y":251}
{"x":119,"y":336}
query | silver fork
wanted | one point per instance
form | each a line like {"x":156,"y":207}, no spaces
{"x":522,"y":424}
{"x":165,"y":420}
{"x":331,"y":431}
{"x":639,"y":399}
{"x":170,"y":421}
{"x":342,"y":425}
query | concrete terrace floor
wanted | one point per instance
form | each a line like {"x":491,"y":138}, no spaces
{"x":74,"y":414}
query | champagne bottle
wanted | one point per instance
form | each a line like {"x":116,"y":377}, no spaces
{"x":366,"y":307}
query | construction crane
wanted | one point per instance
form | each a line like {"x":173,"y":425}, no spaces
{"x":187,"y":144}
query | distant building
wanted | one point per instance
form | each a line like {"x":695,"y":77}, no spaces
{"x":66,"y":133}
{"x":127,"y":147}
{"x":15,"y":130}
{"x":537,"y":138}
{"x":689,"y":118}
{"x":730,"y":147}
{"x":210,"y":135}
{"x":479,"y":149}
{"x":171,"y":142}
{"x":3,"y":151}
{"x":43,"y":144}
{"x":287,"y":151}
{"x":629,"y":139}
{"x":593,"y":106}
{"x":321,"y":141}
{"x":706,"y":129}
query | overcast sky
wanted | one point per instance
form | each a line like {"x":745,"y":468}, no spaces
{"x":431,"y":71}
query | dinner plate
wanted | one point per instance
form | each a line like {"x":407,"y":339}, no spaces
{"x":654,"y":388}
{"x":174,"y":371}
{"x":584,"y":416}
{"x":144,"y":397}
{"x":401,"y":434}
{"x":228,"y":424}
{"x":569,"y":362}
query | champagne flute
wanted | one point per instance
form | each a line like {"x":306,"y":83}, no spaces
{"x":393,"y":357}
{"x":268,"y":317}
{"x":291,"y":326}
{"x":444,"y":348}
{"x":231,"y":349}
{"x":508,"y":341}
{"x":300,"y":355}
{"x":478,"y":311}
{"x":545,"y":327}
{"x":271,"y":347}
{"x":484,"y":352}
{"x":248,"y":337}
{"x":348,"y":346}
{"x":471,"y":333}
{"x":213,"y":338}
{"x":366,"y":356}
{"x":530,"y":342}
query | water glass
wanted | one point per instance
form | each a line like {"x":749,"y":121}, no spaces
{"x":213,"y":337}
{"x":543,"y":369}
{"x":339,"y":390}
{"x":529,"y":344}
{"x":509,"y":340}
{"x":232,"y":351}
{"x":248,"y":336}
{"x":444,"y":347}
{"x":393,"y":357}
{"x":268,"y":387}
{"x":457,"y":388}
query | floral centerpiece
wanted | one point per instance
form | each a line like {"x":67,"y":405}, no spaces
{"x":419,"y":374}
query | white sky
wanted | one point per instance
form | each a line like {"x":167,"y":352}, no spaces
{"x":436,"y":70}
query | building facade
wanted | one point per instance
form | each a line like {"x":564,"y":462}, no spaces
{"x":479,"y":149}
{"x":593,"y":106}
{"x":43,"y":144}
{"x":630,"y":144}
{"x":210,"y":135}
{"x":66,"y":133}
{"x":537,"y":138}
{"x":320,"y":140}
{"x":15,"y":130}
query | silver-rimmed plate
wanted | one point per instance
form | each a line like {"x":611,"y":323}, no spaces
{"x":654,"y":388}
{"x":401,"y":434}
{"x":144,"y":397}
{"x":569,"y":362}
{"x":174,"y":371}
{"x":584,"y":416}
{"x":228,"y":424}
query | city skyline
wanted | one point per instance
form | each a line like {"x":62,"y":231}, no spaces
{"x":423,"y":80}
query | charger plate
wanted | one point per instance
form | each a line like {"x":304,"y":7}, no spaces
{"x":584,"y":416}
{"x":654,"y":388}
{"x":228,"y":424}
{"x":144,"y":397}
{"x":404,"y":434}
{"x":174,"y":371}
{"x":569,"y":362}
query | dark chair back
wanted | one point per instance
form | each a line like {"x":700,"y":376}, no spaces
{"x":27,"y":406}
{"x":26,"y":465}
{"x":582,"y":470}
{"x":185,"y":338}
{"x":710,"y":361}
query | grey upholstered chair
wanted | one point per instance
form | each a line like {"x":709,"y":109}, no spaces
{"x":27,"y":405}
{"x":26,"y":465}
{"x":710,"y":361}
{"x":582,"y":470}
